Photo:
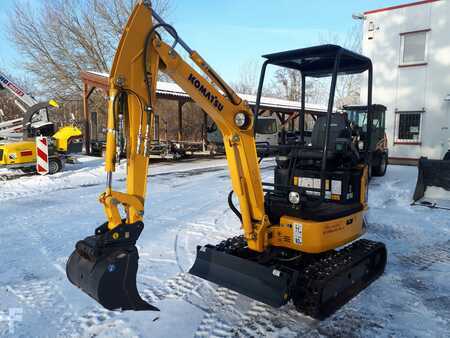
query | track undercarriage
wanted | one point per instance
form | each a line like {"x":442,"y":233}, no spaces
{"x":318,"y":284}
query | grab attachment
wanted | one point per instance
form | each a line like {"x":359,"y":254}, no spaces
{"x":105,"y":266}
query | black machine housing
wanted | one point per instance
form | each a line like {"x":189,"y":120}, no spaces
{"x":322,"y":165}
{"x":299,"y":169}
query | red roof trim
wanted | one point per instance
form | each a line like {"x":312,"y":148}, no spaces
{"x":400,"y":6}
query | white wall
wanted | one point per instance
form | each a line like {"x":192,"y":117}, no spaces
{"x":412,"y":88}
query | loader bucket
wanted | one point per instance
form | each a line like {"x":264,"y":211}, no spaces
{"x":262,"y":283}
{"x":106,"y":270}
{"x":434,"y":176}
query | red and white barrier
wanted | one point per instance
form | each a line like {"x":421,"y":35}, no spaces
{"x":41,"y":155}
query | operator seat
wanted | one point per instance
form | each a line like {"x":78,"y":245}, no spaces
{"x":305,"y":162}
{"x":340,"y":146}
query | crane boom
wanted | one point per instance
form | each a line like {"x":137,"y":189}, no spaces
{"x":19,"y":93}
{"x":24,"y":101}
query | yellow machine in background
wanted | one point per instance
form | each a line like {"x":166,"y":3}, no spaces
{"x":291,"y":232}
{"x":68,"y":139}
{"x":21,"y":154}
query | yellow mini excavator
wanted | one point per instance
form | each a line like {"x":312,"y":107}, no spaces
{"x":299,"y":239}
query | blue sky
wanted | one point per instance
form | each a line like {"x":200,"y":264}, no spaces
{"x":231,"y":33}
{"x":8,"y":56}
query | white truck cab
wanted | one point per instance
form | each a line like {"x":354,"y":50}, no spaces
{"x":266,"y":135}
{"x":266,"y":131}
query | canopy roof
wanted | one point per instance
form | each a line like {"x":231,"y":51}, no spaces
{"x":318,"y":61}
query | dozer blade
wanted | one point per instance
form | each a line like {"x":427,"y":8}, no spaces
{"x":266,"y":284}
{"x":105,"y":266}
{"x":433,"y":181}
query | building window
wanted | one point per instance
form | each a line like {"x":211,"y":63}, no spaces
{"x":408,"y":127}
{"x":414,"y":48}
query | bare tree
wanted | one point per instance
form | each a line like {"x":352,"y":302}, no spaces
{"x":348,"y":87}
{"x":8,"y":109}
{"x":248,"y":78}
{"x":63,"y":37}
{"x":287,"y":82}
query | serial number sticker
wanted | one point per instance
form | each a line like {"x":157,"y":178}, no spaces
{"x":298,"y":233}
{"x":336,"y":187}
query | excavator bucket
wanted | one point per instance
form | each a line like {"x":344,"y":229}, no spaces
{"x":105,"y":265}
{"x":433,"y":183}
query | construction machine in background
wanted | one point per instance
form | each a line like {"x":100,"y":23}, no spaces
{"x":358,"y":117}
{"x":300,"y":239}
{"x":17,"y":136}
{"x":266,"y":136}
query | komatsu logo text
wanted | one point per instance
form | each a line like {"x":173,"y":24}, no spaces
{"x":205,"y":92}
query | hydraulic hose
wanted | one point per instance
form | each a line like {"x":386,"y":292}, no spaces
{"x":233,"y":207}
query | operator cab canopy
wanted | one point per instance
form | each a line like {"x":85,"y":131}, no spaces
{"x":318,"y":61}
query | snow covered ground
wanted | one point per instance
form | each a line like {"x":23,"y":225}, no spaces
{"x":41,"y":218}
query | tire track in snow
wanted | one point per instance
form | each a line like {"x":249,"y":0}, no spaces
{"x":426,"y":256}
{"x":212,"y":325}
{"x":178,"y":286}
{"x":97,"y":323}
{"x":386,"y":232}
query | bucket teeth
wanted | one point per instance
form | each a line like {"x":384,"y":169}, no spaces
{"x":105,"y":266}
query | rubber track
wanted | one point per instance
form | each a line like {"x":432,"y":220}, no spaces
{"x":315,"y":278}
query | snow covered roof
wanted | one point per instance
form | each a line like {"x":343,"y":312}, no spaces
{"x":172,"y":89}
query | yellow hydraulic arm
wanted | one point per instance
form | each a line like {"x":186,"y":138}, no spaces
{"x":140,"y":55}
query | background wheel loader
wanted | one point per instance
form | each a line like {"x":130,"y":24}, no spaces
{"x":358,"y":117}
{"x":291,"y":235}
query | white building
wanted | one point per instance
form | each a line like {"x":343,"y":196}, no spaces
{"x":410,"y":49}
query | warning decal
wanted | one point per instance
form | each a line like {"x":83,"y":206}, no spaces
{"x":298,"y":233}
